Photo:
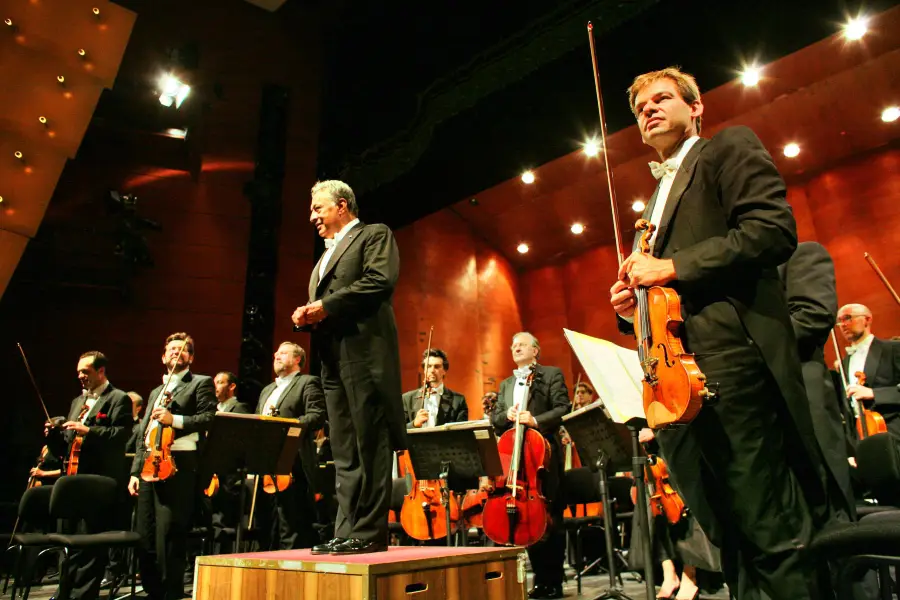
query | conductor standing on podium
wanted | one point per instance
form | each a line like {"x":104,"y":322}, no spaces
{"x":355,"y":335}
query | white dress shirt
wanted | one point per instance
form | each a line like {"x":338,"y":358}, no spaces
{"x":90,"y":399}
{"x":859,"y":352}
{"x":520,"y":390}
{"x":337,"y":238}
{"x":184,"y":443}
{"x":281,"y":384}
{"x":432,"y":404}
{"x":665,"y":183}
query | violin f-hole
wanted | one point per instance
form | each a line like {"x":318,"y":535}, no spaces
{"x":665,"y":352}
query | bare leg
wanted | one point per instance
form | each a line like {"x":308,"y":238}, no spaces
{"x":688,"y":589}
{"x":670,"y":580}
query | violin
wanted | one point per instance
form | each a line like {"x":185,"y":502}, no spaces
{"x":869,"y":422}
{"x":518,"y":515}
{"x":34,"y":480}
{"x":213,"y":487}
{"x":275,"y":484}
{"x":160,"y":464}
{"x":664,"y":500}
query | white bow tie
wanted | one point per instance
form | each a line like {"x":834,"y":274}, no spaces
{"x":329,"y":243}
{"x":851,"y":350}
{"x":666,"y":167}
{"x":522,"y":373}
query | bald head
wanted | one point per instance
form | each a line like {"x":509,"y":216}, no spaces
{"x":855,"y":322}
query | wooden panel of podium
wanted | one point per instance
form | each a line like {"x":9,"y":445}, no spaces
{"x":416,"y":572}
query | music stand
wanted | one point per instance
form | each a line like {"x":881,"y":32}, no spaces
{"x":249,"y":444}
{"x":604,"y":445}
{"x":457,"y":454}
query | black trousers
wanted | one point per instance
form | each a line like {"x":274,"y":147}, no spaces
{"x":164,"y":513}
{"x":286,"y":518}
{"x":731,"y":466}
{"x":87,"y":565}
{"x":361,"y":447}
{"x":548,"y":555}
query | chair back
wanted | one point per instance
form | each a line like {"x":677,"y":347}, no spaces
{"x":580,"y":486}
{"x":83,"y":497}
{"x":878,"y":460}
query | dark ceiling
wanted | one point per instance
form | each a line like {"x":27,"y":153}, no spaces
{"x":427,"y":104}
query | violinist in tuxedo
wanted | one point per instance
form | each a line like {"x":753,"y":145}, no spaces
{"x":226,"y":383}
{"x":878,"y":358}
{"x":99,"y":417}
{"x":186,"y":402}
{"x":442,"y":405}
{"x":722,"y":228}
{"x":355,"y":336}
{"x":548,"y":401}
{"x":294,"y":395}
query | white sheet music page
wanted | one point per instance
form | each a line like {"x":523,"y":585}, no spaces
{"x":615,"y":373}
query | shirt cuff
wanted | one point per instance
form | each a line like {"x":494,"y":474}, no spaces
{"x":178,"y":421}
{"x":627,"y":319}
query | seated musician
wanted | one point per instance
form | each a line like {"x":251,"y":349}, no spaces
{"x":442,"y":405}
{"x":292,"y":395}
{"x":548,"y":401}
{"x":878,"y":358}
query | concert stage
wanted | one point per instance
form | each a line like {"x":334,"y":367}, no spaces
{"x":423,"y":573}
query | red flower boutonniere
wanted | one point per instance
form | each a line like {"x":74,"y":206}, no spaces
{"x":101,"y":416}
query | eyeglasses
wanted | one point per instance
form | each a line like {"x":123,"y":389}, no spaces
{"x":845,"y":318}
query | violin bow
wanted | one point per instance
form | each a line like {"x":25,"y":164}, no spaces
{"x":33,"y":382}
{"x":425,"y":363}
{"x":854,"y":405}
{"x":881,"y":276}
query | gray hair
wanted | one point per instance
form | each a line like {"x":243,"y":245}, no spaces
{"x":337,"y":190}
{"x":534,"y":341}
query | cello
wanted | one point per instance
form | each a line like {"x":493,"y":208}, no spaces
{"x":423,"y":515}
{"x":518,"y":515}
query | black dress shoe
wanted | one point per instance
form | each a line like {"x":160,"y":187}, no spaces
{"x":356,"y":546}
{"x":546,"y":591}
{"x":327,"y":547}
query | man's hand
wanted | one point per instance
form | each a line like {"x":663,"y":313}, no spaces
{"x":646,"y":435}
{"x":642,"y":269}
{"x":76,"y":426}
{"x":525,"y":418}
{"x":860,"y":392}
{"x":314,"y":313}
{"x":622,"y":299}
{"x":162,"y":415}
{"x":133,"y":484}
{"x":485,"y":485}
{"x":421,"y":418}
{"x":299,"y":316}
{"x":852,"y":461}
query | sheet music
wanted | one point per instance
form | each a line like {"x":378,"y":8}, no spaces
{"x":615,"y":373}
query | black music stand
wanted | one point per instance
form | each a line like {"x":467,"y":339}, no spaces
{"x":604,"y":445}
{"x":457,"y":454}
{"x":249,"y":444}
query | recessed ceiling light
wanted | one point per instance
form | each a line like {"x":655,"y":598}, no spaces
{"x":890,"y":114}
{"x":750,"y":76}
{"x":856,"y":28}
{"x":522,"y":248}
{"x":791,"y":150}
{"x":528,"y":177}
{"x":577,"y":228}
{"x":592,"y":147}
{"x":638,"y":206}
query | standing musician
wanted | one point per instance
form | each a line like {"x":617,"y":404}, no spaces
{"x":226,"y":384}
{"x":548,"y":401}
{"x":878,"y":358}
{"x":355,"y":336}
{"x":294,"y":396}
{"x":442,"y":405}
{"x":98,"y":423}
{"x":809,"y":283}
{"x":722,"y":228}
{"x":165,"y":508}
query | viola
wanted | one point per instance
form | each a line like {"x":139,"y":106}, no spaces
{"x":34,"y":481}
{"x":518,"y":514}
{"x":74,"y":455}
{"x":275,"y":484}
{"x":213,"y":487}
{"x":159,"y":464}
{"x":869,"y":422}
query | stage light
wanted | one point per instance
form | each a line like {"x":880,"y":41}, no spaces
{"x":592,"y":147}
{"x":522,"y":248}
{"x":1,"y":199}
{"x":890,"y":114}
{"x":96,"y":11}
{"x":577,"y":228}
{"x":43,"y":121}
{"x":173,"y":91}
{"x":61,"y":79}
{"x":82,"y":53}
{"x":750,"y":76}
{"x":176,"y":133}
{"x":856,"y":28}
{"x":638,"y":206}
{"x":528,"y":177}
{"x":792,"y":150}
{"x":9,"y":23}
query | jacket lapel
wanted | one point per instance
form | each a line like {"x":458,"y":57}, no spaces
{"x":181,"y":387}
{"x":314,"y":279}
{"x":873,"y":358}
{"x":264,"y":397}
{"x":102,"y":401}
{"x":648,"y":213}
{"x":339,"y":250}
{"x":287,"y":391}
{"x":682,"y":180}
{"x":445,"y":405}
{"x":76,"y":408}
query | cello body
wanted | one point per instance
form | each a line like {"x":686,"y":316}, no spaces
{"x":423,"y":516}
{"x":518,"y":515}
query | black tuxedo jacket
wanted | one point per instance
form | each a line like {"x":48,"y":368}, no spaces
{"x":194,"y":398}
{"x":103,"y":447}
{"x":452,"y":407}
{"x":809,"y":283}
{"x":233,"y":405}
{"x":303,"y":400}
{"x":548,"y":401}
{"x":883,"y":376}
{"x":358,"y":338}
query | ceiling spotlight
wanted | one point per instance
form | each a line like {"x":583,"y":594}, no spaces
{"x":856,"y":28}
{"x":527,"y":177}
{"x":96,"y":11}
{"x":592,"y":147}
{"x":18,"y":154}
{"x":577,"y":228}
{"x":890,"y":114}
{"x":750,"y":76}
{"x":82,"y":53}
{"x":9,"y":22}
{"x":638,"y":206}
{"x":1,"y":199}
{"x":791,"y":150}
{"x":42,"y":121}
{"x":61,"y":79}
{"x":522,"y":248}
{"x":173,"y":91}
